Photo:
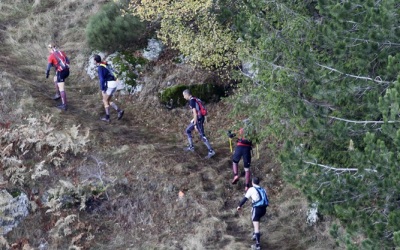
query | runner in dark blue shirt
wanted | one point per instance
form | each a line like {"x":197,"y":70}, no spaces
{"x":196,"y":123}
{"x":108,"y":86}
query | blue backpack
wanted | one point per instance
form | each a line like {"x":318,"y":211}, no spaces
{"x":263,"y":201}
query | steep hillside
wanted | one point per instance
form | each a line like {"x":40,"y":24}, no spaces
{"x":135,"y":168}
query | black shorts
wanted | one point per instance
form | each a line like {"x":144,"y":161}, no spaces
{"x":62,"y":75}
{"x":257,"y":213}
{"x":245,"y":152}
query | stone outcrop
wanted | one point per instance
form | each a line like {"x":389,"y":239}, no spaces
{"x":12,"y":210}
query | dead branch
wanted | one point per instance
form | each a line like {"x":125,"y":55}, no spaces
{"x":362,"y":122}
{"x":338,"y":169}
{"x":377,"y":79}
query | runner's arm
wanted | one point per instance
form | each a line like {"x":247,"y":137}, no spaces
{"x":241,"y":203}
{"x":102,"y":80}
{"x":49,"y":65}
{"x":192,"y":104}
{"x":66,"y":59}
{"x":245,"y":198}
{"x":194,"y":111}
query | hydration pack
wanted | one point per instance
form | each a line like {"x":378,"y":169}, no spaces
{"x":263,"y":201}
{"x":202,"y":109}
{"x":61,"y":60}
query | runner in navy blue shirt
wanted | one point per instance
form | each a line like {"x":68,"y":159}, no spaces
{"x":196,"y":123}
{"x":108,"y":86}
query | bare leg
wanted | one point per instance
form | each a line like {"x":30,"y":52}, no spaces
{"x":106,"y":103}
{"x":56,"y":85}
{"x":62,"y":92}
{"x":247,"y":176}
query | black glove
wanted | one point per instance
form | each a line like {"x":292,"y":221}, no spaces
{"x":230,"y":134}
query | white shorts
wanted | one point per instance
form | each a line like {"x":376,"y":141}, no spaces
{"x":111,"y":87}
{"x":110,"y":91}
{"x":112,"y":84}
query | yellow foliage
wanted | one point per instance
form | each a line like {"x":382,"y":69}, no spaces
{"x":190,"y":27}
{"x":153,"y":9}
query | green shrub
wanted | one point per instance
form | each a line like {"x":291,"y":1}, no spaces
{"x":172,"y":97}
{"x":128,"y":67}
{"x":396,"y":236}
{"x":109,"y":30}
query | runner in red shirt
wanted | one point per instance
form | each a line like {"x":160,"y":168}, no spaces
{"x":59,"y":60}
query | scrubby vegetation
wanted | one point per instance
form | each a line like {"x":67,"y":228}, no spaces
{"x":128,"y":67}
{"x":192,"y":28}
{"x":24,"y":143}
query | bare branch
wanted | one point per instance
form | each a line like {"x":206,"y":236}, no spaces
{"x":273,"y":65}
{"x":326,"y":183}
{"x":362,"y":122}
{"x":377,"y":79}
{"x":339,"y":169}
{"x":389,"y":43}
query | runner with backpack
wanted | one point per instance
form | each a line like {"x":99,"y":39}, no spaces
{"x":243,"y":149}
{"x":199,"y":112}
{"x":108,"y":86}
{"x":59,"y":60}
{"x":260,"y":203}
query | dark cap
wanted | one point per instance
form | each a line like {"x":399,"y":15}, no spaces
{"x":97,"y":58}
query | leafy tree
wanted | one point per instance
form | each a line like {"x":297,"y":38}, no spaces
{"x":110,"y":30}
{"x":192,"y":28}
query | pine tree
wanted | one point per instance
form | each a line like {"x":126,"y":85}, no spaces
{"x":326,"y":86}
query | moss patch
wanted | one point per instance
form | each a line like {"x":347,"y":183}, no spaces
{"x":172,"y":97}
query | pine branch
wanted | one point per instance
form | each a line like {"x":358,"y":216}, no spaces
{"x":377,"y":79}
{"x":362,"y":122}
{"x":339,"y":169}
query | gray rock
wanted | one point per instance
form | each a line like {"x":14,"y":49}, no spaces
{"x":312,"y":214}
{"x":12,"y":210}
{"x":153,"y":50}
